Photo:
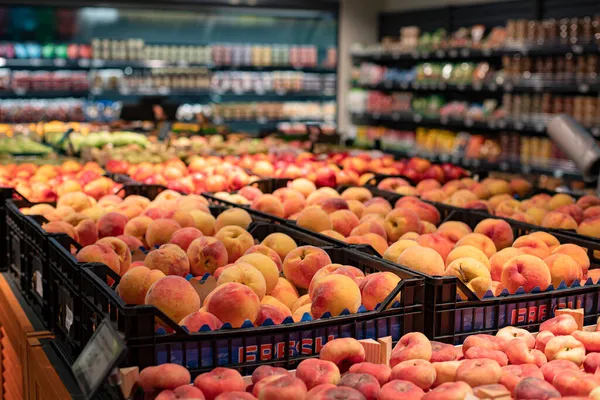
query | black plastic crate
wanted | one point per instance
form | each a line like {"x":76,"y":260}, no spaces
{"x":247,"y":348}
{"x":65,"y":284}
{"x":377,"y":178}
{"x":452,"y":320}
{"x":149,"y":191}
{"x":5,"y":242}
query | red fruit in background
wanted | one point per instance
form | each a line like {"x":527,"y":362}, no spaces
{"x":181,"y":186}
{"x":434,"y":172}
{"x":117,"y":167}
{"x":412,"y":174}
{"x":419,"y":164}
{"x":326,"y":177}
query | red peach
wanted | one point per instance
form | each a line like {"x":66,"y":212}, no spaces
{"x":525,"y":271}
{"x":163,"y":377}
{"x":535,"y":388}
{"x":480,"y":352}
{"x":420,"y":372}
{"x":560,"y":325}
{"x":381,"y":372}
{"x":449,"y":391}
{"x":411,"y":346}
{"x":442,"y":352}
{"x":400,"y":389}
{"x":314,"y":372}
{"x":364,"y":383}
{"x":219,"y":380}
{"x":343,"y":352}
{"x":193,"y":322}
{"x":479,"y":371}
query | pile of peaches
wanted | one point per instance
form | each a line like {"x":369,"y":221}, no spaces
{"x":48,"y":182}
{"x":496,"y":196}
{"x":561,"y":361}
{"x":409,"y":233}
{"x":155,"y":245}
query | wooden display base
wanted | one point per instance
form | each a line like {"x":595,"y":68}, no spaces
{"x":17,"y":326}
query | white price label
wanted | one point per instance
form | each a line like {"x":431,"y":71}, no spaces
{"x":39,"y":287}
{"x":584,"y":88}
{"x":558,"y":173}
{"x":84,"y":63}
{"x":35,"y":62}
{"x":97,"y":63}
{"x":262,"y":120}
{"x":68,"y":318}
{"x":60,"y":62}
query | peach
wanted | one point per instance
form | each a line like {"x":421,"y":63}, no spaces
{"x":183,"y":218}
{"x":182,"y":392}
{"x":497,"y":186}
{"x":394,"y":251}
{"x":170,"y":259}
{"x":272,"y":301}
{"x":266,"y":370}
{"x":445,"y":371}
{"x":410,"y":236}
{"x":400,"y":389}
{"x":301,"y":311}
{"x":111,"y":224}
{"x":233,"y":216}
{"x":344,"y":221}
{"x":174,"y":296}
{"x":436,"y":195}
{"x":532,"y":245}
{"x":577,"y":253}
{"x":420,"y":372}
{"x":425,"y":211}
{"x":267,"y":251}
{"x":478,"y":371}
{"x":267,"y":311}
{"x":193,"y":322}
{"x":427,"y":184}
{"x":507,"y":208}
{"x":236,"y":240}
{"x":480,"y":352}
{"x":281,"y":243}
{"x":206,"y":254}
{"x":351,"y":272}
{"x":159,"y":231}
{"x":422,"y":259}
{"x":137,"y":227}
{"x":518,"y":352}
{"x":537,"y":214}
{"x":136,"y":282}
{"x":441,"y":352}
{"x":380,"y":372}
{"x":454,"y":230}
{"x":535,"y":388}
{"x":377,"y":242}
{"x":219,"y":380}
{"x":563,"y":268}
{"x":523,"y":217}
{"x":550,"y":240}
{"x":314,"y":372}
{"x":314,"y":219}
{"x":100,"y":253}
{"x":371,"y":226}
{"x":572,"y":210}
{"x":152,"y":380}
{"x":591,"y":363}
{"x":334,"y":294}
{"x":575,"y":383}
{"x":364,"y":383}
{"x":86,"y":232}
{"x":203,"y":221}
{"x":233,"y":303}
{"x":74,"y":218}
{"x":588,"y":201}
{"x":357,"y":193}
{"x":333,"y":204}
{"x":511,"y":332}
{"x":513,"y":374}
{"x":590,"y":212}
{"x":436,"y":242}
{"x":559,"y":200}
{"x":302,"y":301}
{"x":134,"y":245}
{"x":542,"y":339}
{"x":343,"y":352}
{"x":377,"y":288}
{"x":558,"y":220}
{"x":316,"y":198}
{"x":265,"y":266}
{"x":520,"y":186}
{"x":302,"y":263}
{"x":426,"y":227}
{"x":555,"y":367}
{"x":284,"y":387}
{"x":340,"y":392}
{"x":122,"y":250}
{"x":356,"y":207}
{"x":590,"y":227}
{"x":78,"y":201}
{"x":472,"y":273}
{"x":184,"y":237}
{"x":498,"y":230}
{"x":449,"y":391}
{"x":285,"y":292}
{"x":333,"y":234}
{"x":245,"y":274}
{"x":303,"y":186}
{"x":470,"y":252}
{"x":565,"y":348}
{"x":560,"y":325}
{"x":461,"y":197}
{"x":479,"y":241}
{"x":485,"y":341}
{"x":399,"y":221}
{"x":412,"y":346}
{"x":61,"y":227}
{"x":590,"y":340}
{"x":525,"y":271}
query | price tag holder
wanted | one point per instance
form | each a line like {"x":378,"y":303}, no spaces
{"x":104,"y":352}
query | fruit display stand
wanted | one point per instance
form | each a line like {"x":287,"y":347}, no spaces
{"x":18,"y":325}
